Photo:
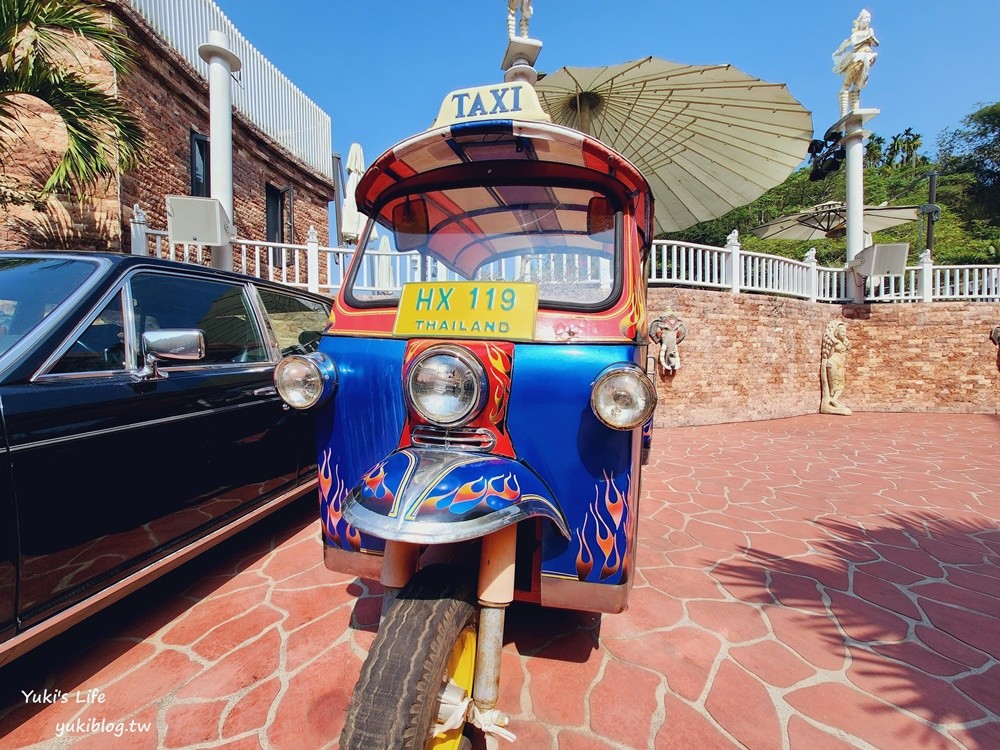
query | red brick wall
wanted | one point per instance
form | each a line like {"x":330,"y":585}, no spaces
{"x":749,"y":357}
{"x":170,"y":100}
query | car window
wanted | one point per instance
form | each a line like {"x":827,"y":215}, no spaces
{"x":220,"y":309}
{"x":101,"y":347}
{"x":31,"y":288}
{"x":298,"y":322}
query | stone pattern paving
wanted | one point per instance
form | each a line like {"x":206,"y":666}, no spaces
{"x":806,"y":583}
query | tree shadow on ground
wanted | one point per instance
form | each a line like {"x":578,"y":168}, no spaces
{"x":914,"y":602}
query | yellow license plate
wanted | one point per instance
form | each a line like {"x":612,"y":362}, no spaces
{"x":468,"y":309}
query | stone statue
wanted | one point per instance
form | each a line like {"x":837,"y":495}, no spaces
{"x":833,"y":368}
{"x":526,"y":11}
{"x":668,"y":331}
{"x":854,"y":59}
{"x":995,"y":338}
{"x":733,"y":238}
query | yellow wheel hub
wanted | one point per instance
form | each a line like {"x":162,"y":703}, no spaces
{"x":460,"y":670}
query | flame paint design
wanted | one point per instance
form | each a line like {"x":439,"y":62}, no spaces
{"x":374,"y":480}
{"x":500,"y":364}
{"x":332,"y":491}
{"x":610,"y":513}
{"x":634,"y":319}
{"x":584,"y":557}
{"x":495,"y":493}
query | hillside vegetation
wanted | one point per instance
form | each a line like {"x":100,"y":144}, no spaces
{"x":968,"y":192}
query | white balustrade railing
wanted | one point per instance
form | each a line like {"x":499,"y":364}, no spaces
{"x":322,"y":269}
{"x":261,"y":92}
{"x":967,"y":283}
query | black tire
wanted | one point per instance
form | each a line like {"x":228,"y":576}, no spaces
{"x":395,"y":701}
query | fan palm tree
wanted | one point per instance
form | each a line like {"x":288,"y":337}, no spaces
{"x":39,"y":47}
{"x":874,"y":151}
{"x":910,"y":143}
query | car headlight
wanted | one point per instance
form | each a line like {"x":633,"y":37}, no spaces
{"x":623,"y":397}
{"x":446,"y":386}
{"x":305,"y":380}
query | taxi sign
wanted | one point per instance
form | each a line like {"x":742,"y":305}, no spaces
{"x":500,"y":101}
{"x":468,"y":309}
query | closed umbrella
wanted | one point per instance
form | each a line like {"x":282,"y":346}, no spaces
{"x":708,"y":138}
{"x":352,"y":221}
{"x":384,"y":278}
{"x":829,"y":220}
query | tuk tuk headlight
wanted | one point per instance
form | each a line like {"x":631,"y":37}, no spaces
{"x":623,"y":397}
{"x":446,"y":386}
{"x":305,"y":380}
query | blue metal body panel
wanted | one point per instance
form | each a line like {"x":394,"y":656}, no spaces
{"x":590,"y":467}
{"x":358,"y":428}
{"x":569,"y":467}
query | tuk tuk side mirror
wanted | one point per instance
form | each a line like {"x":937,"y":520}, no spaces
{"x":410,"y":223}
{"x":600,"y":215}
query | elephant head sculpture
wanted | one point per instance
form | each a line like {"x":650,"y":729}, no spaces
{"x":668,"y":331}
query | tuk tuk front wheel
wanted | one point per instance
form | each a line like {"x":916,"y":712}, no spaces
{"x":426,"y":641}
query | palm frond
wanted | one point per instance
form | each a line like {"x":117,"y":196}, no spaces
{"x":45,"y":31}
{"x":102,"y":135}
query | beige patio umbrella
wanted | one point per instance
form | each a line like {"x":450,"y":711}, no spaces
{"x":708,"y":138}
{"x":829,"y":220}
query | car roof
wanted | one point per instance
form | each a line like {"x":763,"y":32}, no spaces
{"x":121,"y":261}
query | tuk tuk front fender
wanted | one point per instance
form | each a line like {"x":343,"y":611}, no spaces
{"x":428,"y":496}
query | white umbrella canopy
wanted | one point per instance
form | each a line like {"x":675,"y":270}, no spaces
{"x":829,"y":221}
{"x":708,"y":138}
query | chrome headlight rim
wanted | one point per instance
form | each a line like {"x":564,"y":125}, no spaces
{"x":643,"y":382}
{"x":323,"y":370}
{"x":469,"y":360}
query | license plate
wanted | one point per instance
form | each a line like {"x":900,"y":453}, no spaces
{"x":468,"y":309}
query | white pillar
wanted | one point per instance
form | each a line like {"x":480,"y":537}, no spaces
{"x":735,"y":262}
{"x":312,"y":260}
{"x":139,"y":227}
{"x":852,"y":126}
{"x":222,"y":63}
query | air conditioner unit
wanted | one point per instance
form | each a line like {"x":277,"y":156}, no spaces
{"x":887,"y":259}
{"x":198,"y":221}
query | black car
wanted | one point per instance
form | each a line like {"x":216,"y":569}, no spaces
{"x":140,"y":424}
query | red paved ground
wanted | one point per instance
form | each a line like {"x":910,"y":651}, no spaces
{"x":808,"y":583}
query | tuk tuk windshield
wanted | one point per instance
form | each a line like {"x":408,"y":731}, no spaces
{"x":564,"y":239}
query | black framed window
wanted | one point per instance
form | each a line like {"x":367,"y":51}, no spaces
{"x":275,"y":211}
{"x":201,"y":178}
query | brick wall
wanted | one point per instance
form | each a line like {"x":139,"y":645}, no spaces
{"x":749,"y":357}
{"x":170,"y":100}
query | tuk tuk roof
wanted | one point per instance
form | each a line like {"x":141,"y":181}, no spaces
{"x":558,"y":151}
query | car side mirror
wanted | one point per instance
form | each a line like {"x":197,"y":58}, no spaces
{"x":170,"y":344}
{"x":600,"y":215}
{"x":410,"y":224}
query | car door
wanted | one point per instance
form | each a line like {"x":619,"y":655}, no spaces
{"x":8,"y":542}
{"x":113,"y":468}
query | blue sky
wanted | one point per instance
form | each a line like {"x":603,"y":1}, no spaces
{"x":380,"y":68}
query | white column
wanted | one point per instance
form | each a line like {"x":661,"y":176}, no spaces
{"x":222,"y":63}
{"x":735,"y":262}
{"x":312,"y":260}
{"x":852,"y":125}
{"x":139,"y":226}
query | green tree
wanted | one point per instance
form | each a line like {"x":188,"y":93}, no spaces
{"x":874,"y":151}
{"x":975,"y":149}
{"x":895,"y":148}
{"x":39,"y":53}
